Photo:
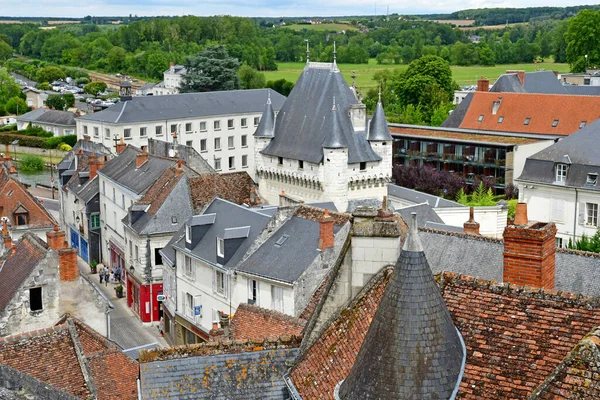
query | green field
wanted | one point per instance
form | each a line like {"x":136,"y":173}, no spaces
{"x":364,"y":72}
{"x":322,"y":27}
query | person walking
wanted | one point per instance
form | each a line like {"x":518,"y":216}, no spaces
{"x":118,"y":275}
{"x":106,"y":276}
{"x":101,"y":274}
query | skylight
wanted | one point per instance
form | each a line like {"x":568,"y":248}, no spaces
{"x":500,"y":119}
{"x":527,"y":120}
{"x":591,"y":179}
{"x":555,"y":123}
{"x":281,"y":240}
{"x":582,"y":124}
{"x":480,"y":118}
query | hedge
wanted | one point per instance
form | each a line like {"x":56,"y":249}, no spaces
{"x":34,"y":141}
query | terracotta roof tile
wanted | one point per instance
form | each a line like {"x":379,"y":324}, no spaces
{"x":160,"y":190}
{"x":255,"y":323}
{"x":468,"y":136}
{"x":234,"y":187}
{"x":542,"y":109}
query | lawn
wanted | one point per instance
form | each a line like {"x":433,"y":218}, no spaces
{"x":364,"y":72}
{"x":322,"y":27}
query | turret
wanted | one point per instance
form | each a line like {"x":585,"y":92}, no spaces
{"x":265,"y":132}
{"x":335,"y":161}
{"x":379,"y":136}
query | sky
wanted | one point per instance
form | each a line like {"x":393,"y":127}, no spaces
{"x":255,"y":8}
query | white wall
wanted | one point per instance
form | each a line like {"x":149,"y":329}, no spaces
{"x":522,"y":151}
{"x":492,"y":219}
{"x":265,"y":299}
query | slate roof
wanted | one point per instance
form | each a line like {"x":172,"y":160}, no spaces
{"x":378,"y":127}
{"x":294,"y":245}
{"x":218,"y":370}
{"x":186,"y":105}
{"x":89,"y":190}
{"x":266,"y":126}
{"x":304,"y":122}
{"x":228,"y":215}
{"x":417,"y":197}
{"x":53,"y":117}
{"x":122,"y":169}
{"x":583,"y":158}
{"x":543,"y":82}
{"x":541,"y":109}
{"x":17,"y":265}
{"x":458,"y":114}
{"x":425,"y":214}
{"x":255,"y":323}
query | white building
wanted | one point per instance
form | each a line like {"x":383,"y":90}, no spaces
{"x":60,"y":123}
{"x":319,"y":147}
{"x":560,"y":184}
{"x":218,"y":125}
{"x":171,"y":81}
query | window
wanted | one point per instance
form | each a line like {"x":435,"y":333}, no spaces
{"x":277,"y":298}
{"x":527,"y":120}
{"x":220,"y":283}
{"x":127,"y":133}
{"x":104,"y":188}
{"x":173,"y":219}
{"x":21,"y":218}
{"x":561,"y":172}
{"x":35,"y":299}
{"x":230,"y":142}
{"x":95,"y":221}
{"x":559,"y":242}
{"x":592,"y":214}
{"x":555,"y":123}
{"x":244,"y":161}
{"x":137,"y":253}
{"x":173,"y":128}
{"x":244,"y":141}
{"x":143,"y":131}
{"x":591,"y":179}
{"x":203,"y":126}
{"x":107,"y":133}
{"x":280,"y":160}
{"x":582,"y":124}
{"x":157,"y":257}
{"x":203,"y":145}
{"x":231,"y":162}
{"x":252,"y":291}
{"x":230,"y":124}
{"x":85,"y":130}
{"x":244,"y":122}
{"x":188,"y":269}
{"x":220,"y":247}
{"x":500,"y":119}
{"x":256,"y":121}
{"x":363,"y":166}
{"x":217,"y":125}
{"x":217,"y":164}
{"x":217,"y":144}
{"x":123,"y":201}
{"x":189,"y":309}
{"x":188,"y":127}
{"x":189,"y":143}
{"x":188,"y":233}
{"x":300,"y":164}
{"x":96,"y":131}
{"x":480,"y":118}
{"x":115,"y":220}
{"x":158,"y":130}
{"x":586,"y":81}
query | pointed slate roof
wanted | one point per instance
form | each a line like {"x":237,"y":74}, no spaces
{"x":412,"y":349}
{"x":266,"y":127}
{"x":378,"y":127}
{"x":335,"y":138}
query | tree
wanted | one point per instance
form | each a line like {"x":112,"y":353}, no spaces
{"x":43,"y":86}
{"x":16,"y":105}
{"x":50,"y":74}
{"x":69,"y":99}
{"x":116,"y":59}
{"x":211,"y":70}
{"x":583,"y":37}
{"x":6,"y":51}
{"x":251,"y":78}
{"x":56,"y":102}
{"x":94,"y":88}
{"x":8,"y":86}
{"x":281,"y":86}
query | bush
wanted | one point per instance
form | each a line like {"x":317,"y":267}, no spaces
{"x":35,"y":131}
{"x":55,"y":142}
{"x":2,"y":110}
{"x":9,"y":128}
{"x":43,"y":86}
{"x":94,"y":88}
{"x":29,"y":141}
{"x":512,"y":207}
{"x":31,"y":162}
{"x":65,"y":147}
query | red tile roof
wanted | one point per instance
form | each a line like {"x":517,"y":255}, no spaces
{"x":515,"y":337}
{"x":234,"y":187}
{"x":256,"y":323}
{"x":160,"y":190}
{"x":542,"y":109}
{"x":467,"y":136}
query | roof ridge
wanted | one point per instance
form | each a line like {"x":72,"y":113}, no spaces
{"x":81,"y":358}
{"x":34,"y":333}
{"x":271,"y":313}
{"x":462,"y":235}
{"x":575,"y":252}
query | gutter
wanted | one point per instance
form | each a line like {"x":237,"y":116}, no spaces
{"x":462,"y":366}
{"x":294,"y":395}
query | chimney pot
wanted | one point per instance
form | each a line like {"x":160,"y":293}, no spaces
{"x":141,"y":158}
{"x":483,"y":85}
{"x":521,"y":214}
{"x":67,"y":262}
{"x":471,"y":227}
{"x":326,"y":237}
{"x":121,"y":146}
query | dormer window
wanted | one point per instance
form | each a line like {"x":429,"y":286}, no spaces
{"x":527,"y":121}
{"x":555,"y":123}
{"x":220,"y":247}
{"x":188,"y":234}
{"x":561,"y":173}
{"x":591,"y":179}
{"x":480,"y":118}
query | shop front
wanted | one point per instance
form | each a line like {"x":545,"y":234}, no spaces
{"x":117,"y":258}
{"x":141,"y":297}
{"x":188,"y":333}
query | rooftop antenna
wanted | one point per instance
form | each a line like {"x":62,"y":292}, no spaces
{"x":307,"y":50}
{"x":379,"y":101}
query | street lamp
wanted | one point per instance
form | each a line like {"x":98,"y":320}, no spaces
{"x":51,"y":172}
{"x":585,"y":63}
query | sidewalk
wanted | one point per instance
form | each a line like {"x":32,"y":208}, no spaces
{"x":125,"y":327}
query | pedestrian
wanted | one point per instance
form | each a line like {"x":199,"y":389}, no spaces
{"x":118,"y":275}
{"x":106,"y":276}
{"x":101,"y":274}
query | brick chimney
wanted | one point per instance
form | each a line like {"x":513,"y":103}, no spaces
{"x":93,"y":165}
{"x":471,"y":227}
{"x":175,"y":141}
{"x":6,"y":235}
{"x":55,"y":239}
{"x":86,"y":137}
{"x":529,"y":254}
{"x":67,"y":262}
{"x":121,"y":146}
{"x":325,"y":231}
{"x":483,"y":85}
{"x":141,"y":158}
{"x":179,"y":169}
{"x":6,"y":153}
{"x":520,"y":75}
{"x":216,"y":332}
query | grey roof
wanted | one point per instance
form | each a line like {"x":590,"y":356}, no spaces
{"x":122,"y":170}
{"x":416,"y":197}
{"x":228,"y":215}
{"x":458,"y":114}
{"x":378,"y":127}
{"x":203,"y":219}
{"x":579,"y":151}
{"x":186,"y":105}
{"x":444,"y":227}
{"x":412,"y":349}
{"x":125,"y":84}
{"x":178,"y":69}
{"x":89,"y":190}
{"x":334,"y":137}
{"x":425,"y":214}
{"x":236,"y":233}
{"x":248,"y":375}
{"x":325,"y":205}
{"x":90,"y":147}
{"x":583,"y":90}
{"x":543,"y":82}
{"x":287,"y":253}
{"x":303,"y":122}
{"x":147,"y":86}
{"x":46,"y":116}
{"x":266,"y":126}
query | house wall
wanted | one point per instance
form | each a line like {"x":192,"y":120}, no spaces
{"x":522,"y":152}
{"x":265,"y":297}
{"x":36,"y":100}
{"x":57,"y":130}
{"x":492,"y":219}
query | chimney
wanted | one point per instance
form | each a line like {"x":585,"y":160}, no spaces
{"x":121,"y":146}
{"x":6,"y":153}
{"x":179,"y":169}
{"x":483,"y":85}
{"x":6,"y":235}
{"x":215,"y":332}
{"x":55,"y":239}
{"x":383,"y":214}
{"x":471,"y":227}
{"x":67,"y":263}
{"x":93,"y":166}
{"x":520,"y":75}
{"x":521,"y":214}
{"x":141,"y":158}
{"x":175,"y":141}
{"x":252,"y":196}
{"x":325,"y":231}
{"x":529,"y":254}
{"x":86,"y":137}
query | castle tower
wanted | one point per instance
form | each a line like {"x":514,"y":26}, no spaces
{"x":265,"y":132}
{"x":379,"y":136}
{"x":335,"y":162}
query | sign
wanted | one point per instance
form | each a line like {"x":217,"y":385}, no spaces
{"x":161,"y":297}
{"x":197,"y":310}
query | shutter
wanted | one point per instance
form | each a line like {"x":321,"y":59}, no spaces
{"x":249,"y":290}
{"x":582,"y":214}
{"x":197,"y":302}
{"x":214,"y":280}
{"x":558,"y":210}
{"x":225,"y":284}
{"x":257,"y":293}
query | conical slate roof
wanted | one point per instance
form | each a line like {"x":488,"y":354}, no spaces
{"x":266,"y":126}
{"x":378,"y":128}
{"x":412,"y":349}
{"x":335,"y":138}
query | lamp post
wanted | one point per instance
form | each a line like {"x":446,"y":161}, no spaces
{"x":585,"y":63}
{"x":51,"y":172}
